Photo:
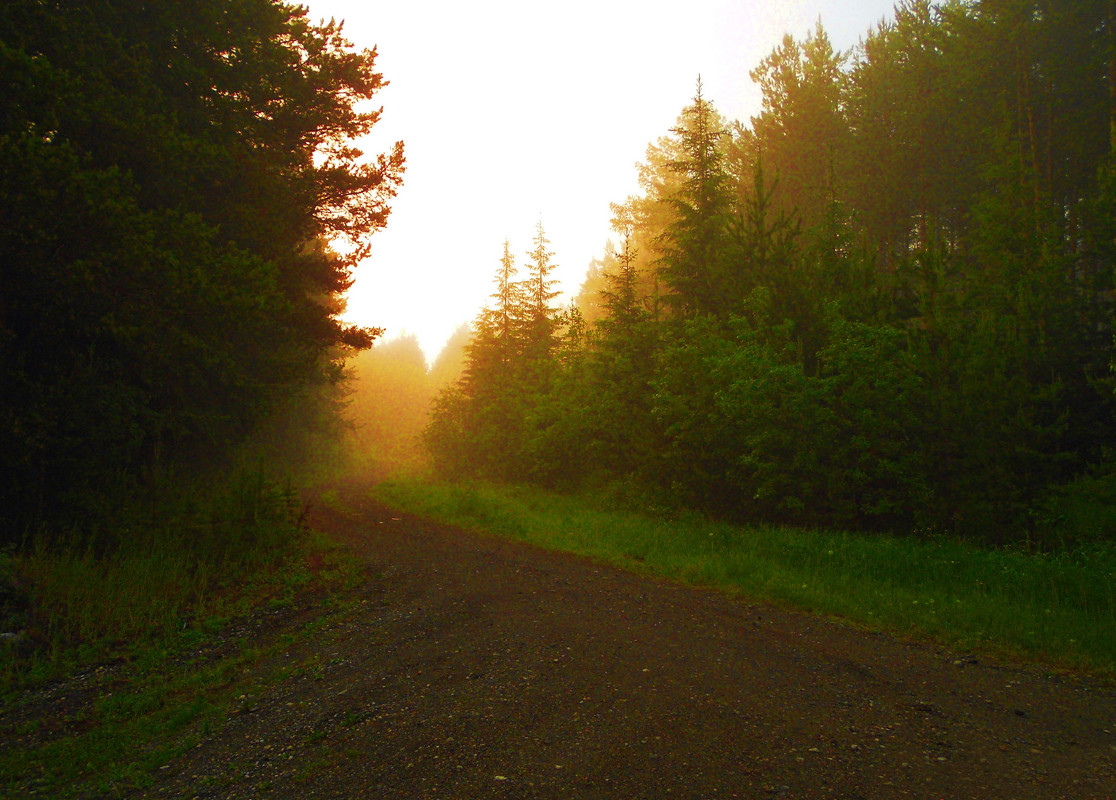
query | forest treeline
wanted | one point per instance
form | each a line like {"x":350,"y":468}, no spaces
{"x":886,"y":302}
{"x":385,"y":403}
{"x":169,"y":176}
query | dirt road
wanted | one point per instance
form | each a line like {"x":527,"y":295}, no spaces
{"x":477,"y":668}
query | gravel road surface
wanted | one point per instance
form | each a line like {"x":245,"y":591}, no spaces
{"x":473,"y":667}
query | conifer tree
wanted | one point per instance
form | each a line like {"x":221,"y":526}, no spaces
{"x":801,"y":132}
{"x":168,"y":172}
{"x":541,"y":319}
{"x":620,"y":296}
{"x":509,"y":309}
{"x":695,"y":247}
{"x":622,"y":367}
{"x":495,"y":349}
{"x":478,"y":424}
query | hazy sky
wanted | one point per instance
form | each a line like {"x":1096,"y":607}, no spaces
{"x":516,"y":112}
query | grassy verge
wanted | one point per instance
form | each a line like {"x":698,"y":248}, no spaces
{"x":1057,"y":609}
{"x":189,"y":557}
{"x":140,"y":644}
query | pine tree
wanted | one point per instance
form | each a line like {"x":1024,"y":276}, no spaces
{"x":620,"y":295}
{"x":695,"y":246}
{"x":621,"y":369}
{"x":801,"y":132}
{"x":168,"y":174}
{"x":494,"y":354}
{"x":541,"y":317}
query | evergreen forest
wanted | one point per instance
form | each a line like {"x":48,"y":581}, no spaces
{"x":181,"y":207}
{"x":885,"y":303}
{"x":854,"y":356}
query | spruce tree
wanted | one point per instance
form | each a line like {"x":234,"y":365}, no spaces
{"x":695,"y":248}
{"x":541,"y":317}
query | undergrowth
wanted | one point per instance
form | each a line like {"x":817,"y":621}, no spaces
{"x":146,"y":610}
{"x":1057,"y":608}
{"x":189,"y":556}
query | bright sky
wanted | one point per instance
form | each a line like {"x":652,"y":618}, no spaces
{"x":514,"y":111}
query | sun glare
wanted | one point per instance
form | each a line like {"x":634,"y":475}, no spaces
{"x":504,"y":129}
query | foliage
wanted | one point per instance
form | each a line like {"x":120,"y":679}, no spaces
{"x":489,"y":421}
{"x":694,"y":247}
{"x":161,"y":656}
{"x":765,"y":440}
{"x":884,"y":304}
{"x":168,"y":174}
{"x":182,"y":552}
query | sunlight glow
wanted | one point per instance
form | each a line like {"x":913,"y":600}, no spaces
{"x":514,"y":113}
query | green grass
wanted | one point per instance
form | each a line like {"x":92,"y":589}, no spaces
{"x":162,"y":583}
{"x":125,"y":738}
{"x":188,"y":557}
{"x":1057,"y":609}
{"x":159,"y":704}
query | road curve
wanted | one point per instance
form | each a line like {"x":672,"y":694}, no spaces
{"x":480,"y":668}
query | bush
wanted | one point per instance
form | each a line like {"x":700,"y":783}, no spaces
{"x":1081,"y":512}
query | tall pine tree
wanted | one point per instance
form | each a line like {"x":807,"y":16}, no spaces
{"x":695,"y":250}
